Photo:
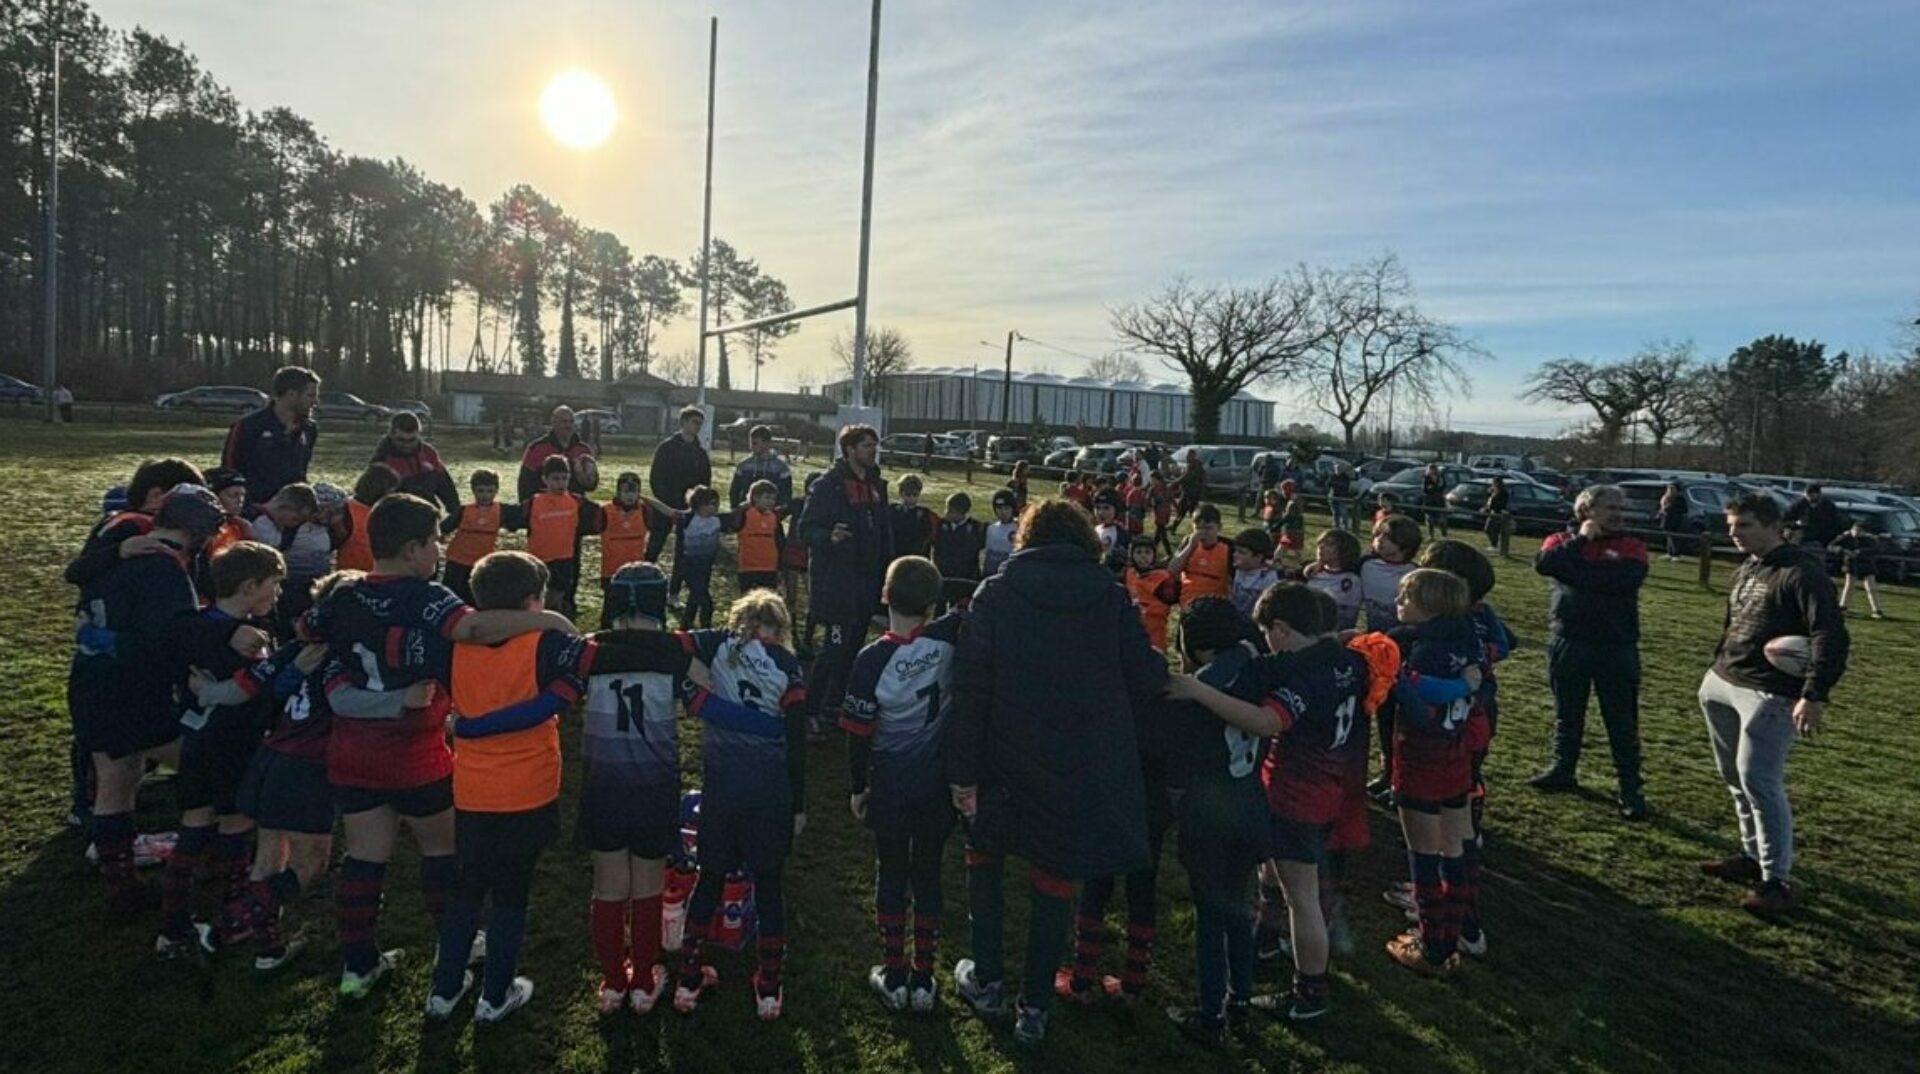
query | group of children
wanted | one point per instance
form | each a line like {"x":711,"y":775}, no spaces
{"x":296,"y":698}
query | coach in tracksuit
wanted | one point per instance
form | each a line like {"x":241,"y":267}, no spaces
{"x":849,"y":536}
{"x":1593,"y":640}
{"x":1754,"y":709}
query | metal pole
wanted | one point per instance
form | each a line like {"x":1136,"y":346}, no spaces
{"x":706,"y":212}
{"x":1006,"y":387}
{"x":50,"y":371}
{"x":866,"y":216}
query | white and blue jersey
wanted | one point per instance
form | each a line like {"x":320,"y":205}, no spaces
{"x":899,"y":697}
{"x":631,"y":750}
{"x":741,"y":770}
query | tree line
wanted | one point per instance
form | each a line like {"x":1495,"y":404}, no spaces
{"x":200,"y":239}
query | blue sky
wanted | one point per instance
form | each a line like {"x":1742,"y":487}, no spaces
{"x":1558,"y":179}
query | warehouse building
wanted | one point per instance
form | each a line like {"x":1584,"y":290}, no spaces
{"x":949,"y":397}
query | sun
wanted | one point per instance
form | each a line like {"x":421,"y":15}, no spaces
{"x":578,"y":109}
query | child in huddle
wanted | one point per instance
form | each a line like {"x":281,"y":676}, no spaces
{"x":753,"y":801}
{"x":290,"y":521}
{"x":999,"y":535}
{"x":1335,"y":571}
{"x":1272,"y":512}
{"x":1436,"y":729}
{"x":557,"y":519}
{"x":793,"y":565}
{"x":1396,"y":539}
{"x":762,"y":540}
{"x":1253,"y":572}
{"x":506,"y":774}
{"x":914,"y":523}
{"x":1153,"y":589}
{"x":630,"y":794}
{"x":957,"y":545}
{"x":475,"y":530}
{"x":231,"y":487}
{"x":376,"y":481}
{"x":700,"y":525}
{"x":1112,"y":532}
{"x":1383,"y":509}
{"x":899,"y":696}
{"x":1204,"y":563}
{"x":624,"y":531}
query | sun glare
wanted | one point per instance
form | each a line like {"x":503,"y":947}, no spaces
{"x":578,"y":109}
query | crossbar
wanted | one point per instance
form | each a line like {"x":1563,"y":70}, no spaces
{"x":783,"y":318}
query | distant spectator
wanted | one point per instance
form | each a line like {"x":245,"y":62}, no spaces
{"x":1433,"y":497}
{"x":63,"y":398}
{"x":273,"y":446}
{"x":763,"y":465}
{"x":407,"y":454}
{"x":561,"y":438}
{"x":1815,"y":519}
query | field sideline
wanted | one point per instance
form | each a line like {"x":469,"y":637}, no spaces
{"x":1609,"y":951}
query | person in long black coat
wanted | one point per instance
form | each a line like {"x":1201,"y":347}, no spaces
{"x":1052,"y":666}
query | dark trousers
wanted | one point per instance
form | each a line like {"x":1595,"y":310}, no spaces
{"x":1577,"y":670}
{"x":827,"y":681}
{"x":1049,"y":907}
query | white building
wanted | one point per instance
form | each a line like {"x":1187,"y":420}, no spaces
{"x":944,"y":397}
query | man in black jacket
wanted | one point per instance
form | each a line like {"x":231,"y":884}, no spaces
{"x":1814,"y":519}
{"x":849,"y":536}
{"x":680,"y":464}
{"x":1593,"y":640}
{"x":273,"y":446}
{"x":1754,"y":707}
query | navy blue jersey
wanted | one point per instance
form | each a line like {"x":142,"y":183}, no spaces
{"x":741,"y":770}
{"x":207,"y":646}
{"x":899,"y":695}
{"x":1317,"y":693}
{"x":128,"y":657}
{"x":631,"y":738}
{"x":1436,"y":649}
{"x":1205,"y":748}
{"x":389,"y":631}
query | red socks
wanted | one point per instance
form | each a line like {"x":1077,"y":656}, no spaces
{"x":609,"y":920}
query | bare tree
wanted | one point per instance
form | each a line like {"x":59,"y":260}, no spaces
{"x":1118,"y":367}
{"x":680,"y":367}
{"x":888,"y":355}
{"x":1374,"y":340}
{"x":1658,"y":376}
{"x":1607,"y":389}
{"x":1223,"y":338}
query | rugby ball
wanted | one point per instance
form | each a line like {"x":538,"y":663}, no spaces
{"x":586,"y":472}
{"x":1791,"y":654}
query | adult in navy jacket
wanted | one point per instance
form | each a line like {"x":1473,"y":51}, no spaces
{"x":1593,"y":640}
{"x":273,"y":446}
{"x":1051,"y":669}
{"x":849,"y":537}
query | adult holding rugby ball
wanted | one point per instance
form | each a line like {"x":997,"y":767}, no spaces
{"x":1784,"y":648}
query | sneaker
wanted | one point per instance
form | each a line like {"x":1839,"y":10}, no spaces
{"x":478,"y":952}
{"x":198,"y":937}
{"x":1633,"y":806}
{"x":268,"y":961}
{"x":1029,"y":1024}
{"x":1554,"y":780}
{"x":440,"y":1008}
{"x":922,"y":991}
{"x":1877,"y":614}
{"x":1306,"y":1008}
{"x":1198,"y":1028}
{"x":149,"y":849}
{"x":1401,"y":897}
{"x":984,"y":997}
{"x":1772,"y":899}
{"x":1736,"y":868}
{"x":1407,"y":950}
{"x":1476,"y":947}
{"x":518,"y":993}
{"x":1381,"y":790}
{"x":893,"y":998}
{"x":767,"y":1006}
{"x":644,"y":1000}
{"x":1073,"y":990}
{"x":357,"y":985}
{"x":686,"y":1000}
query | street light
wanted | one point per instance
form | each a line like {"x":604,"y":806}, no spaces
{"x":1006,"y":384}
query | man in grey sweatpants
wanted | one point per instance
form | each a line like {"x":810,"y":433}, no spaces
{"x":1754,"y":709}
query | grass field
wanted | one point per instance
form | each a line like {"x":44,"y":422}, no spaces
{"x":1610,"y":951}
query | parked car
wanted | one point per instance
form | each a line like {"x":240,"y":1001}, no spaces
{"x":1229,"y":466}
{"x":975,"y":439}
{"x":214,"y":399}
{"x":1059,"y":443}
{"x":349,"y":407}
{"x":948,"y":446}
{"x":1004,"y":451}
{"x":609,"y":421}
{"x":904,"y":446}
{"x":1060,"y":458}
{"x":1899,"y":531}
{"x":1706,"y":505}
{"x":1100,"y":458}
{"x":1535,"y":508}
{"x":15,"y":390}
{"x":412,"y":406}
{"x":1407,"y":488}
